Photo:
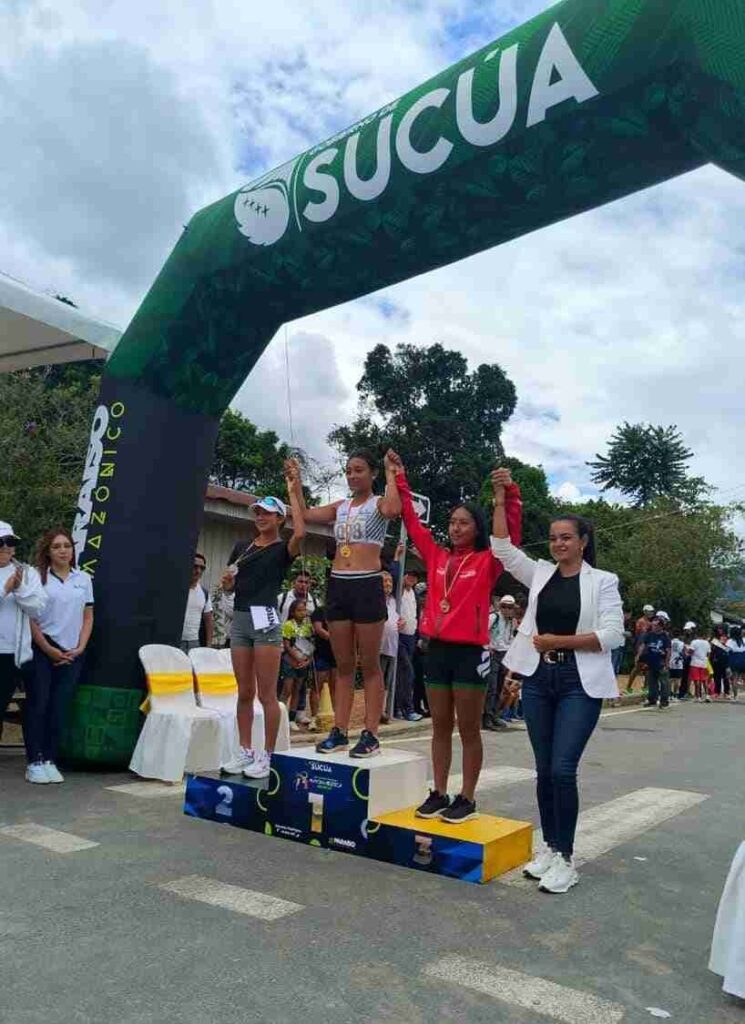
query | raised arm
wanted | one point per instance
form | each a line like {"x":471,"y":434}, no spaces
{"x":321,"y":514}
{"x":420,"y":535}
{"x":390,"y":504}
{"x":295,"y":494}
{"x":506,"y":526}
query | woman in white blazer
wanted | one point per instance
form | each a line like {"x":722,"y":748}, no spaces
{"x":562,"y":649}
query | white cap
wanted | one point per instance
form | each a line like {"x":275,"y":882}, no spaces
{"x":663,"y":615}
{"x":690,"y":625}
{"x":648,"y":608}
{"x":271,"y":504}
{"x":6,"y":530}
{"x":507,"y":599}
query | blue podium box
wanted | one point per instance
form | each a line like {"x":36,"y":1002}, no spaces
{"x":328,"y":800}
{"x":230,"y":800}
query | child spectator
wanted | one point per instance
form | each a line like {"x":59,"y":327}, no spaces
{"x":297,"y":662}
{"x":699,"y":671}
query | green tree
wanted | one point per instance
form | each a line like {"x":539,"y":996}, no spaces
{"x":645,"y":462}
{"x":680,"y":558}
{"x":445,"y":420}
{"x":248,"y":459}
{"x":45,"y":418}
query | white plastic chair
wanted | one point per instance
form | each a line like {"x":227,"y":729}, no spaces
{"x":177,"y":736}
{"x":214,"y":672}
{"x":218,"y":691}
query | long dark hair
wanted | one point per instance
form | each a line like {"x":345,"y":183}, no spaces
{"x":481,"y":540}
{"x":43,"y":549}
{"x":365,"y":455}
{"x":585,"y":531}
{"x":293,"y":607}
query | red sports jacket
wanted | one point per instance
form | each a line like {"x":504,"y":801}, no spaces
{"x":467,"y":621}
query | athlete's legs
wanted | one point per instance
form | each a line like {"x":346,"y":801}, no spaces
{"x":442,"y":709}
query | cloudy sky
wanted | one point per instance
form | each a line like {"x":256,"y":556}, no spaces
{"x":121,"y":119}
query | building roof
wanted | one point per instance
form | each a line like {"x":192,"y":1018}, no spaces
{"x":36,"y":329}
{"x":225,"y":503}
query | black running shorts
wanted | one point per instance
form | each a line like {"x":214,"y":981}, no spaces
{"x":448,"y":665}
{"x":356,"y":598}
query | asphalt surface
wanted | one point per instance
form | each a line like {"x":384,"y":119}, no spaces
{"x":89,"y":936}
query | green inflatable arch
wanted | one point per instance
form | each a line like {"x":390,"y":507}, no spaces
{"x":590,"y":101}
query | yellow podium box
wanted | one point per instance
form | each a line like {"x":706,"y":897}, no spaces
{"x":476,"y":851}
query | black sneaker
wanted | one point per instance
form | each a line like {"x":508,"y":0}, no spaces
{"x":366,"y":746}
{"x":335,"y":742}
{"x":433,"y":805}
{"x":459,"y":810}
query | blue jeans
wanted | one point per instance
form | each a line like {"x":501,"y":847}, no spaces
{"x":49,"y":689}
{"x":560,"y":718}
{"x":617,"y":658}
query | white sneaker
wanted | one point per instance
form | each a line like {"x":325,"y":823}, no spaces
{"x":294,"y":727}
{"x":312,"y":727}
{"x":259,"y":769}
{"x":560,"y":877}
{"x":53,"y":772}
{"x":36,"y":772}
{"x":245,"y":759}
{"x":540,"y":864}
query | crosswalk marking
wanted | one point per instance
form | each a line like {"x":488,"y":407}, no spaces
{"x":149,"y":790}
{"x":231,"y":897}
{"x":491,"y":778}
{"x":557,"y":1002}
{"x":606,"y":826}
{"x":49,"y":838}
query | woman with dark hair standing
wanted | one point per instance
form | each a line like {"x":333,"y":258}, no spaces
{"x":573,"y":621}
{"x":60,"y":634}
{"x":355,"y":602}
{"x":460,"y":579}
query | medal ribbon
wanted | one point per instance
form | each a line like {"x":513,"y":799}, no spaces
{"x":450,"y":583}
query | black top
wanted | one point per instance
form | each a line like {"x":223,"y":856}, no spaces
{"x":260,"y":573}
{"x":323,"y":647}
{"x":559,"y":605}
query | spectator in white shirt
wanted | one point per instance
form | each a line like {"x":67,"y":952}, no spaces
{"x":299,"y":591}
{"x":21,"y":596}
{"x":60,"y":633}
{"x":198,"y":618}
{"x":699,"y":672}
{"x":389,"y":640}
{"x":501,"y":632}
{"x":404,"y":708}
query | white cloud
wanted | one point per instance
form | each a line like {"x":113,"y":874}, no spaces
{"x":119,"y":120}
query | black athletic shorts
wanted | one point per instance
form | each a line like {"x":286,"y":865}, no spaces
{"x":449,"y":665}
{"x":356,"y":597}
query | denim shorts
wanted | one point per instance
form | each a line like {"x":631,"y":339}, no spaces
{"x":243,"y":633}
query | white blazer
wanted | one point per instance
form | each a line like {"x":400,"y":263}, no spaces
{"x":601,"y":612}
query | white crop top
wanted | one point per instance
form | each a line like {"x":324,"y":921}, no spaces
{"x":363,"y":524}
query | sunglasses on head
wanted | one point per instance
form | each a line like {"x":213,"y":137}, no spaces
{"x":8,"y":542}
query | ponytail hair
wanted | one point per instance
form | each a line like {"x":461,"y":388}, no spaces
{"x":585,"y":531}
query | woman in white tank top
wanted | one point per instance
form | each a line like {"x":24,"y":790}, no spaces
{"x":355,"y":602}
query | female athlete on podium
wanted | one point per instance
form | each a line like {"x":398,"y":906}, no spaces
{"x":460,"y":580}
{"x":355,"y":603}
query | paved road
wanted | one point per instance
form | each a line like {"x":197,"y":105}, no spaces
{"x":91,"y":935}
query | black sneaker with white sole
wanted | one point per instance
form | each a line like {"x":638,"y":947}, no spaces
{"x":434,"y":805}
{"x":366,"y":746}
{"x":459,"y":810}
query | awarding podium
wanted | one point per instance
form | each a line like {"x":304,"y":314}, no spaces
{"x":363,"y":807}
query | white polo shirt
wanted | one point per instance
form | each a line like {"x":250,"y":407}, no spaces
{"x":8,"y":610}
{"x":198,"y":604}
{"x":408,"y":611}
{"x":62,"y":618}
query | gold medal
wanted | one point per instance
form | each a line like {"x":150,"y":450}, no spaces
{"x":444,"y":606}
{"x":345,"y":551}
